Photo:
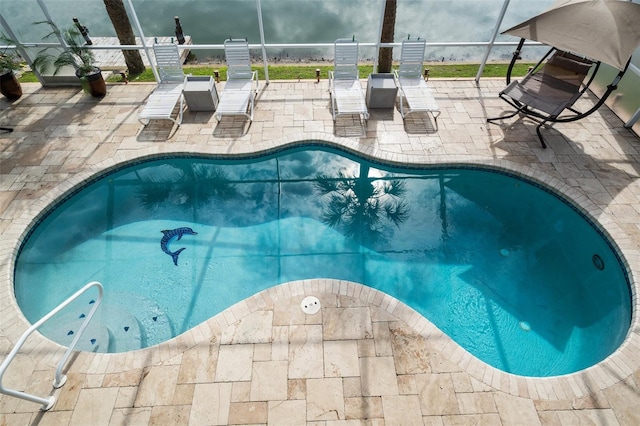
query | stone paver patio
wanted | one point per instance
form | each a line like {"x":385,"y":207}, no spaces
{"x":365,"y":358}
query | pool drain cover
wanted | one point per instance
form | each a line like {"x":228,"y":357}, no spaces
{"x":598,"y":262}
{"x":310,"y":305}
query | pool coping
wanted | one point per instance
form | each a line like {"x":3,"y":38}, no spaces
{"x":615,"y":368}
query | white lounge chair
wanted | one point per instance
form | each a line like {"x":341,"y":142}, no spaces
{"x":241,"y":87}
{"x":411,"y":84}
{"x":162,"y":102}
{"x":347,"y":96}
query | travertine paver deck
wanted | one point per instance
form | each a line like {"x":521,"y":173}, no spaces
{"x":364,"y":358}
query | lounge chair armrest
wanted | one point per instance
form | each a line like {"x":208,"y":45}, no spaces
{"x":184,"y":80}
{"x":254,"y":78}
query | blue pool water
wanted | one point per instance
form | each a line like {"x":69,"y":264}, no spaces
{"x":509,"y":271}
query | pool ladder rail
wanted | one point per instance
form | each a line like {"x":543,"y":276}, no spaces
{"x":59,"y":379}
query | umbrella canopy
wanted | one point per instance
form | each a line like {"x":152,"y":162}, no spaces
{"x":604,"y":30}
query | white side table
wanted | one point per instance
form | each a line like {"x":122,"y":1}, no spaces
{"x":381,"y":91}
{"x":200,"y":93}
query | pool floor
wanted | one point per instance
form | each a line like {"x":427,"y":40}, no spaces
{"x":497,"y":263}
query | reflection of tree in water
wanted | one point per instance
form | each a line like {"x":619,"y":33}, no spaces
{"x":193,"y":185}
{"x":362,"y":207}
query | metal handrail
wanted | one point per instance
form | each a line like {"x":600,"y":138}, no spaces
{"x":60,"y":379}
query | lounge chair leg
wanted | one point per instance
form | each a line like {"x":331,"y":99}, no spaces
{"x":503,"y":117}
{"x":544,"y":145}
{"x":435,"y":119}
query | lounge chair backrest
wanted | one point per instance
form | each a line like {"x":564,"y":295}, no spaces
{"x":236,"y":53}
{"x":169,"y":63}
{"x":412,"y":58}
{"x":567,"y":67}
{"x":346,"y":59}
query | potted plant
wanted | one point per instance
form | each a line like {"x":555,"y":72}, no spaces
{"x":75,"y":55}
{"x":9,"y":62}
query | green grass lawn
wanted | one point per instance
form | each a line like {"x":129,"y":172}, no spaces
{"x":308,"y":72}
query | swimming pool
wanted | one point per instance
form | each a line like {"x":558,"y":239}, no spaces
{"x":511,"y":273}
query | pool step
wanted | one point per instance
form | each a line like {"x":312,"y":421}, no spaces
{"x":112,"y":329}
{"x":134,"y":323}
{"x":124,"y":330}
{"x":155,"y":325}
{"x":63,"y":331}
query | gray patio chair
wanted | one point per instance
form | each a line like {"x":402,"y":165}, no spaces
{"x":550,"y":89}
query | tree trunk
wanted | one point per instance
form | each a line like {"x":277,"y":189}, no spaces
{"x":388,"y":27}
{"x":120,"y":19}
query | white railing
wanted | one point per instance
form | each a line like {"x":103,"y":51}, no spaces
{"x":60,"y":379}
{"x":263,"y":45}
